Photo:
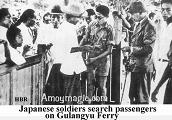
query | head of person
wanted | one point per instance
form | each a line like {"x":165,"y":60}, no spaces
{"x":56,"y":20}
{"x":166,"y":9}
{"x":14,"y":36}
{"x":57,"y":16}
{"x":28,"y":18}
{"x":91,"y":15}
{"x":5,"y":18}
{"x":102,"y":12}
{"x":137,"y":10}
{"x":92,"y":3}
{"x":151,"y":15}
{"x":73,"y":12}
{"x":47,"y":18}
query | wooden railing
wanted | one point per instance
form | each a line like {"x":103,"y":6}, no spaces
{"x":24,"y":84}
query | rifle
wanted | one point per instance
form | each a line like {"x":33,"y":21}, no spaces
{"x":128,"y":68}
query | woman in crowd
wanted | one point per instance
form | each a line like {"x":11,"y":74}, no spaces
{"x":25,"y":22}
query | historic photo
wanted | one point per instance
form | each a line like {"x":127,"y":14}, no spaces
{"x":85,"y":52}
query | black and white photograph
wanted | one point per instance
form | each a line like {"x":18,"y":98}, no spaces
{"x":85,"y":52}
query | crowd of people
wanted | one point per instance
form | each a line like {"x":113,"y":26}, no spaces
{"x":79,"y":43}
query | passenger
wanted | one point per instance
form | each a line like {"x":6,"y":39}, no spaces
{"x":26,"y":21}
{"x":166,"y":7}
{"x":143,"y":40}
{"x":5,"y":22}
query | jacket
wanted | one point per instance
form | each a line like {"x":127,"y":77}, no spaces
{"x":143,"y":40}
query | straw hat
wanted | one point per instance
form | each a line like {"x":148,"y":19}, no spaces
{"x":75,"y":9}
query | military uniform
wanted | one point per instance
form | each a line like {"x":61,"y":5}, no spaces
{"x":98,"y":36}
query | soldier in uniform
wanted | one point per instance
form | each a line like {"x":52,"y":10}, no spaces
{"x":98,"y":36}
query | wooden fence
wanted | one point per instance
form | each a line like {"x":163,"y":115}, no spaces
{"x":22,"y":85}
